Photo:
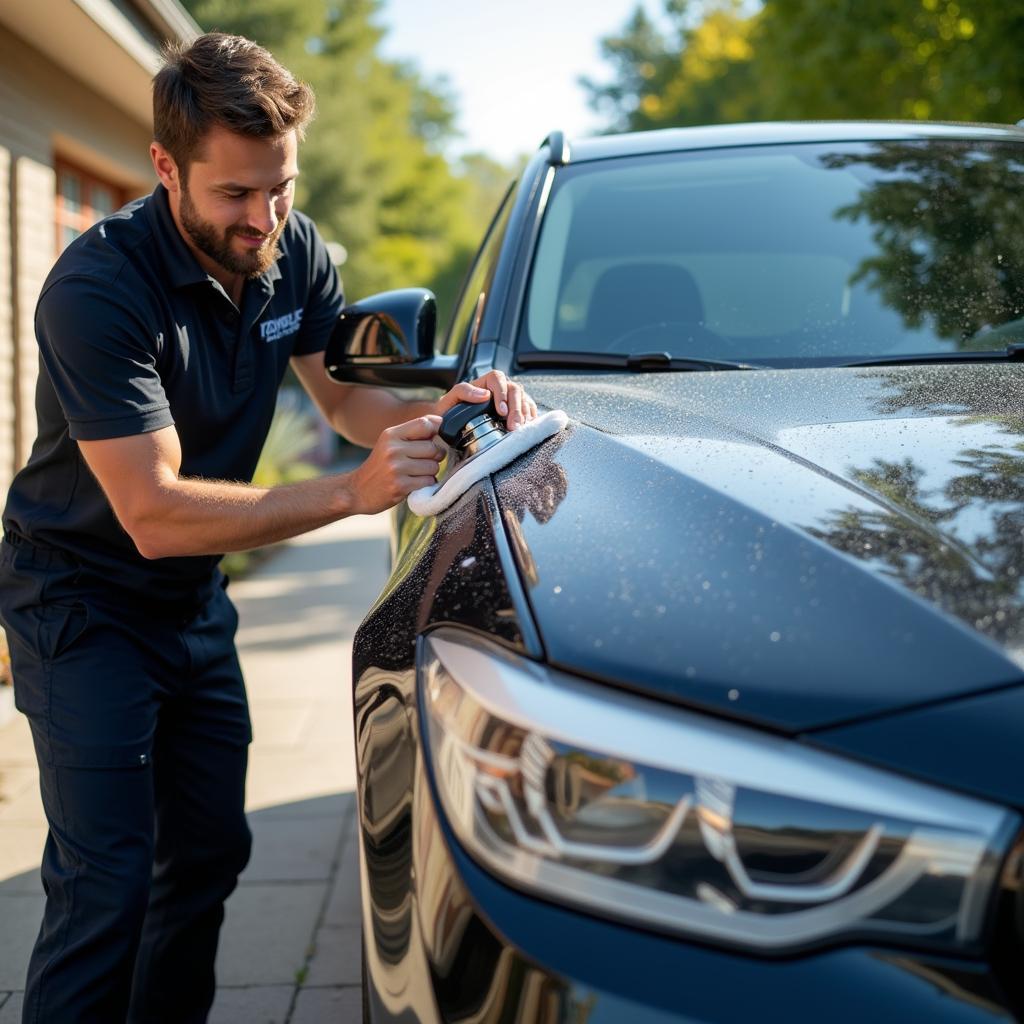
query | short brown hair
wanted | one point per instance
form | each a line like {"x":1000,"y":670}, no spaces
{"x":229,"y":81}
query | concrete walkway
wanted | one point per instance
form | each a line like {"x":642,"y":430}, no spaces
{"x":289,"y":951}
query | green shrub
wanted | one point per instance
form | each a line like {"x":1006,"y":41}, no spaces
{"x":292,"y":435}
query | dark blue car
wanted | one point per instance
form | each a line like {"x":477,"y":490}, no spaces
{"x":711,"y":707}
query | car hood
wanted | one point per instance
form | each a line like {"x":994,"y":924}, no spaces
{"x":796,"y":547}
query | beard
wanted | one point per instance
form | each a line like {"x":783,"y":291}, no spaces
{"x":216,"y":244}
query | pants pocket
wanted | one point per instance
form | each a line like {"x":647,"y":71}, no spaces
{"x":62,"y":626}
{"x":41,"y":638}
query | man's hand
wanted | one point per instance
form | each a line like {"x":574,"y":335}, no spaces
{"x":404,"y":458}
{"x":510,"y":399}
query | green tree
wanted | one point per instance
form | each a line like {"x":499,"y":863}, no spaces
{"x":941,"y":59}
{"x":485,"y":182}
{"x":721,"y":61}
{"x":693,"y":72}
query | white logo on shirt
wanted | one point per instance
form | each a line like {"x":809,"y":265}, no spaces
{"x":282,"y":326}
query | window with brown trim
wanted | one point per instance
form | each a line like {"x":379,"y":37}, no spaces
{"x":82,"y":199}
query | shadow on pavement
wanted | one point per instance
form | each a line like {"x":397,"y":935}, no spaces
{"x":324,"y":598}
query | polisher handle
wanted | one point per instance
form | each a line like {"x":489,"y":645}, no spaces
{"x":459,"y":415}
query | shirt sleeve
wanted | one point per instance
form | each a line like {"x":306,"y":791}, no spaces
{"x":324,"y":301}
{"x":101,"y":356}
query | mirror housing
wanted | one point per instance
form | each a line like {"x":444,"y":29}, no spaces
{"x":387,"y":340}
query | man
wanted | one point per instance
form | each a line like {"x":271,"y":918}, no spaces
{"x":164,"y":333}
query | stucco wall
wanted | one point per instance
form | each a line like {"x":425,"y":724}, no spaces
{"x":44,"y":112}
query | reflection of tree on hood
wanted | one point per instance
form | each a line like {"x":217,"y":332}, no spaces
{"x":539,"y":485}
{"x":914,"y":539}
{"x":949,"y":230}
{"x":981,"y":584}
{"x":542,"y":493}
{"x":986,"y":393}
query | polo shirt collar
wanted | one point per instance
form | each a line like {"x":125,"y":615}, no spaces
{"x":182,"y":267}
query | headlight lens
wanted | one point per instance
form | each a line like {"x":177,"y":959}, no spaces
{"x":649,"y":813}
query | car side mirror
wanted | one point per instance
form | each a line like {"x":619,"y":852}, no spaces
{"x":388,"y":340}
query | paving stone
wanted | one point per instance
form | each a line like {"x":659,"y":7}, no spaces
{"x":280,"y":723}
{"x":293,"y":849}
{"x":331,"y":719}
{"x":354,"y":528}
{"x":337,"y":956}
{"x":26,"y":806}
{"x":290,"y":675}
{"x":15,"y":780}
{"x":282,"y":778}
{"x":334,"y":805}
{"x":21,"y":916}
{"x":328,"y":1006}
{"x":309,"y":635}
{"x":344,"y":902}
{"x":10,"y":1012}
{"x":21,"y":852}
{"x":7,"y":709}
{"x":267,"y":933}
{"x":257,"y":1004}
{"x":16,"y":742}
{"x":28,"y":883}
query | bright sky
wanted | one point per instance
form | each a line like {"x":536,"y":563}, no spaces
{"x":513,"y":67}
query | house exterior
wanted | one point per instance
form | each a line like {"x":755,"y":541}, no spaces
{"x":75,"y":128}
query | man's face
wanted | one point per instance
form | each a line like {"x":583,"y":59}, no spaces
{"x":235,"y":198}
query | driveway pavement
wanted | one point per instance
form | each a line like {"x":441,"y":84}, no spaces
{"x":289,"y":951}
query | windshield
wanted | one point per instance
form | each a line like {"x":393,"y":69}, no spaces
{"x":785,"y":255}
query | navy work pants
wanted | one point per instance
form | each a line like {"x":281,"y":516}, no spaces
{"x":141,"y":729}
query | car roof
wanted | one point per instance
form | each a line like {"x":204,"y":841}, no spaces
{"x":765,"y":133}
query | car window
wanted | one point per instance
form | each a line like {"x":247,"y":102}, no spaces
{"x":814,"y":252}
{"x":478,"y":280}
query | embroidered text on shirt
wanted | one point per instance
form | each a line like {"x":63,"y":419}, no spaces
{"x":282,"y":326}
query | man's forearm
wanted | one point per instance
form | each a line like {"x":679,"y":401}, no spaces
{"x":204,"y":517}
{"x":367,"y":411}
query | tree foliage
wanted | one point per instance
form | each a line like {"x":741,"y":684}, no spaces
{"x":690,"y":72}
{"x":722,"y":61}
{"x":978,"y":503}
{"x":373,"y":175}
{"x":942,"y":59}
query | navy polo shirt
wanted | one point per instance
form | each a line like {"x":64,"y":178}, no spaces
{"x":134,"y":335}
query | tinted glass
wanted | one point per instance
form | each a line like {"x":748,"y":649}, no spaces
{"x":786,"y":254}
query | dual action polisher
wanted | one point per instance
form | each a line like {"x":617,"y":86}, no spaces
{"x":478,"y":445}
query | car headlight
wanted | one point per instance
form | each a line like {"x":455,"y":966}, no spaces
{"x":644,"y":812}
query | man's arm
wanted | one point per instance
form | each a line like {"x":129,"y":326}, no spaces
{"x":360,"y":413}
{"x":168,"y":515}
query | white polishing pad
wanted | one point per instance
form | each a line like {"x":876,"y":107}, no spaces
{"x":429,"y":501}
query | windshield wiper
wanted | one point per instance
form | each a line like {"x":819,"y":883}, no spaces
{"x":1011,"y":353}
{"x":640,"y":362}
